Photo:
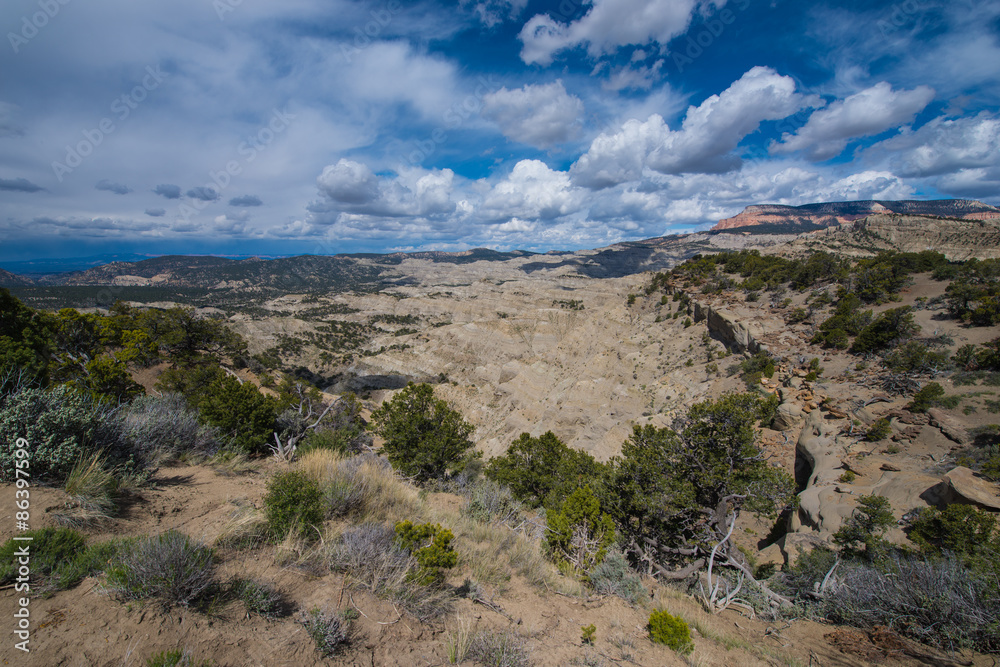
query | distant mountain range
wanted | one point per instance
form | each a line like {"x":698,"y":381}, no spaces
{"x":959,"y":227}
{"x":41,"y":267}
{"x":255,"y":274}
{"x":777,"y":218}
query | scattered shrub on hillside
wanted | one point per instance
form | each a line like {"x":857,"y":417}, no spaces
{"x":614,"y":576}
{"x":166,"y":427}
{"x":241,"y":413}
{"x":916,"y":357}
{"x":52,"y":550}
{"x":424,"y":437}
{"x":371,"y":556}
{"x":798,"y":315}
{"x":880,"y":430}
{"x":259,"y":597}
{"x":760,"y":365}
{"x":861,"y":536}
{"x":499,"y":648}
{"x":847,"y":320}
{"x":963,"y":530}
{"x":175,"y":658}
{"x":879,"y":279}
{"x":974,"y":294}
{"x":430,"y":545}
{"x":935,"y":601}
{"x":489,"y":501}
{"x":293,"y":499}
{"x":327,"y":628}
{"x":664,"y":628}
{"x":169,"y":567}
{"x":108,"y":379}
{"x":887,"y":329}
{"x":60,"y":425}
{"x":579,"y":532}
{"x":543,"y":470}
{"x":928,"y":396}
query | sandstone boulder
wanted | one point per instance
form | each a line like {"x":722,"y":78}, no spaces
{"x":949,"y":426}
{"x":965,"y":486}
{"x":787,"y":417}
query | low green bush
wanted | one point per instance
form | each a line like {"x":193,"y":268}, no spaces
{"x":174,"y":658}
{"x":169,"y":567}
{"x":580,"y":515}
{"x":963,"y":530}
{"x":259,"y":597}
{"x":293,"y":499}
{"x":664,"y":628}
{"x":880,"y":430}
{"x":430,"y":544}
{"x":613,"y":576}
{"x":51,"y":552}
{"x":760,"y":365}
{"x":887,"y":329}
{"x":60,"y":425}
{"x":328,"y":629}
{"x":927,"y":397}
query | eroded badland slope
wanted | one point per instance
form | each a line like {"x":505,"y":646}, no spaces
{"x":587,"y":346}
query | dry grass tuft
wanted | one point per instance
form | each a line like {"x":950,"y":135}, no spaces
{"x":363,"y":488}
{"x":231,"y":464}
{"x":493,"y":553}
{"x":459,"y":641}
{"x":91,"y":487}
{"x":245,"y":529}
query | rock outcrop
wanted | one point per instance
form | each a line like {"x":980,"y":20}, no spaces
{"x":787,"y":417}
{"x":725,"y":326}
{"x":956,"y":239}
{"x":965,"y":487}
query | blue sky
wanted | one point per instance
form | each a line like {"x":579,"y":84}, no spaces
{"x":324,"y":126}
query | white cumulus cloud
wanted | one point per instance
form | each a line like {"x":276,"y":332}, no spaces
{"x":608,"y":25}
{"x":706,"y":140}
{"x":538,"y":115}
{"x":871,"y":111}
{"x":532,"y":191}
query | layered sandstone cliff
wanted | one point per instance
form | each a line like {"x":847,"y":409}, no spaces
{"x":816,"y":216}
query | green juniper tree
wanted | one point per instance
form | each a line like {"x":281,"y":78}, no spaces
{"x":424,"y":437}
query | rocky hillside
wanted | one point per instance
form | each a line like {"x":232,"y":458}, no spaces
{"x":776,"y":217}
{"x":8,"y":279}
{"x":956,"y":239}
